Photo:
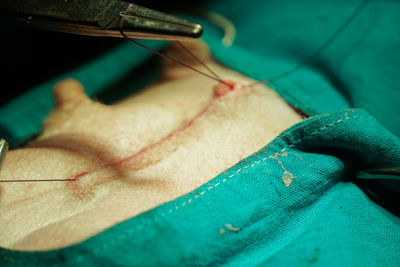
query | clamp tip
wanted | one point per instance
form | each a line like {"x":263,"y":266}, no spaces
{"x":3,"y":151}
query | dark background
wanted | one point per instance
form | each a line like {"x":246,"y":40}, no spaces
{"x":30,"y":56}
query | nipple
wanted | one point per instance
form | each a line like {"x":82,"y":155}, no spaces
{"x":222,"y":89}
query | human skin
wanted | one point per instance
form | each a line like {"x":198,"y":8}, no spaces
{"x":127,"y":158}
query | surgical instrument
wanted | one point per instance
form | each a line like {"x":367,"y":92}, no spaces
{"x":99,"y":18}
{"x":3,"y":151}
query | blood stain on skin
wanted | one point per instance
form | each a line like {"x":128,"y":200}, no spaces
{"x":76,"y":177}
{"x":223,"y":88}
{"x":80,"y":191}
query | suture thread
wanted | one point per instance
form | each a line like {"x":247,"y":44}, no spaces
{"x":329,"y":41}
{"x":164,"y":55}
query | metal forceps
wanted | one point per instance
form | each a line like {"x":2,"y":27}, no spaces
{"x":3,"y":150}
{"x":99,"y":18}
{"x":96,"y":18}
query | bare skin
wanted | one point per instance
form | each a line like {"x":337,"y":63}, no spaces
{"x":127,"y":158}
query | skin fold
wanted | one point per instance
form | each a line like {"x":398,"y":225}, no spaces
{"x":124,"y":159}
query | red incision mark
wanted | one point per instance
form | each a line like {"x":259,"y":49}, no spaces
{"x":222,"y":88}
{"x":76,"y":177}
{"x":226,"y":86}
{"x":80,"y":191}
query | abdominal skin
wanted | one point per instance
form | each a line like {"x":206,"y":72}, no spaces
{"x":127,"y":158}
{"x":155,"y":152}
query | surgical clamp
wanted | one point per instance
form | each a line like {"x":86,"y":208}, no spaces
{"x":99,"y":18}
